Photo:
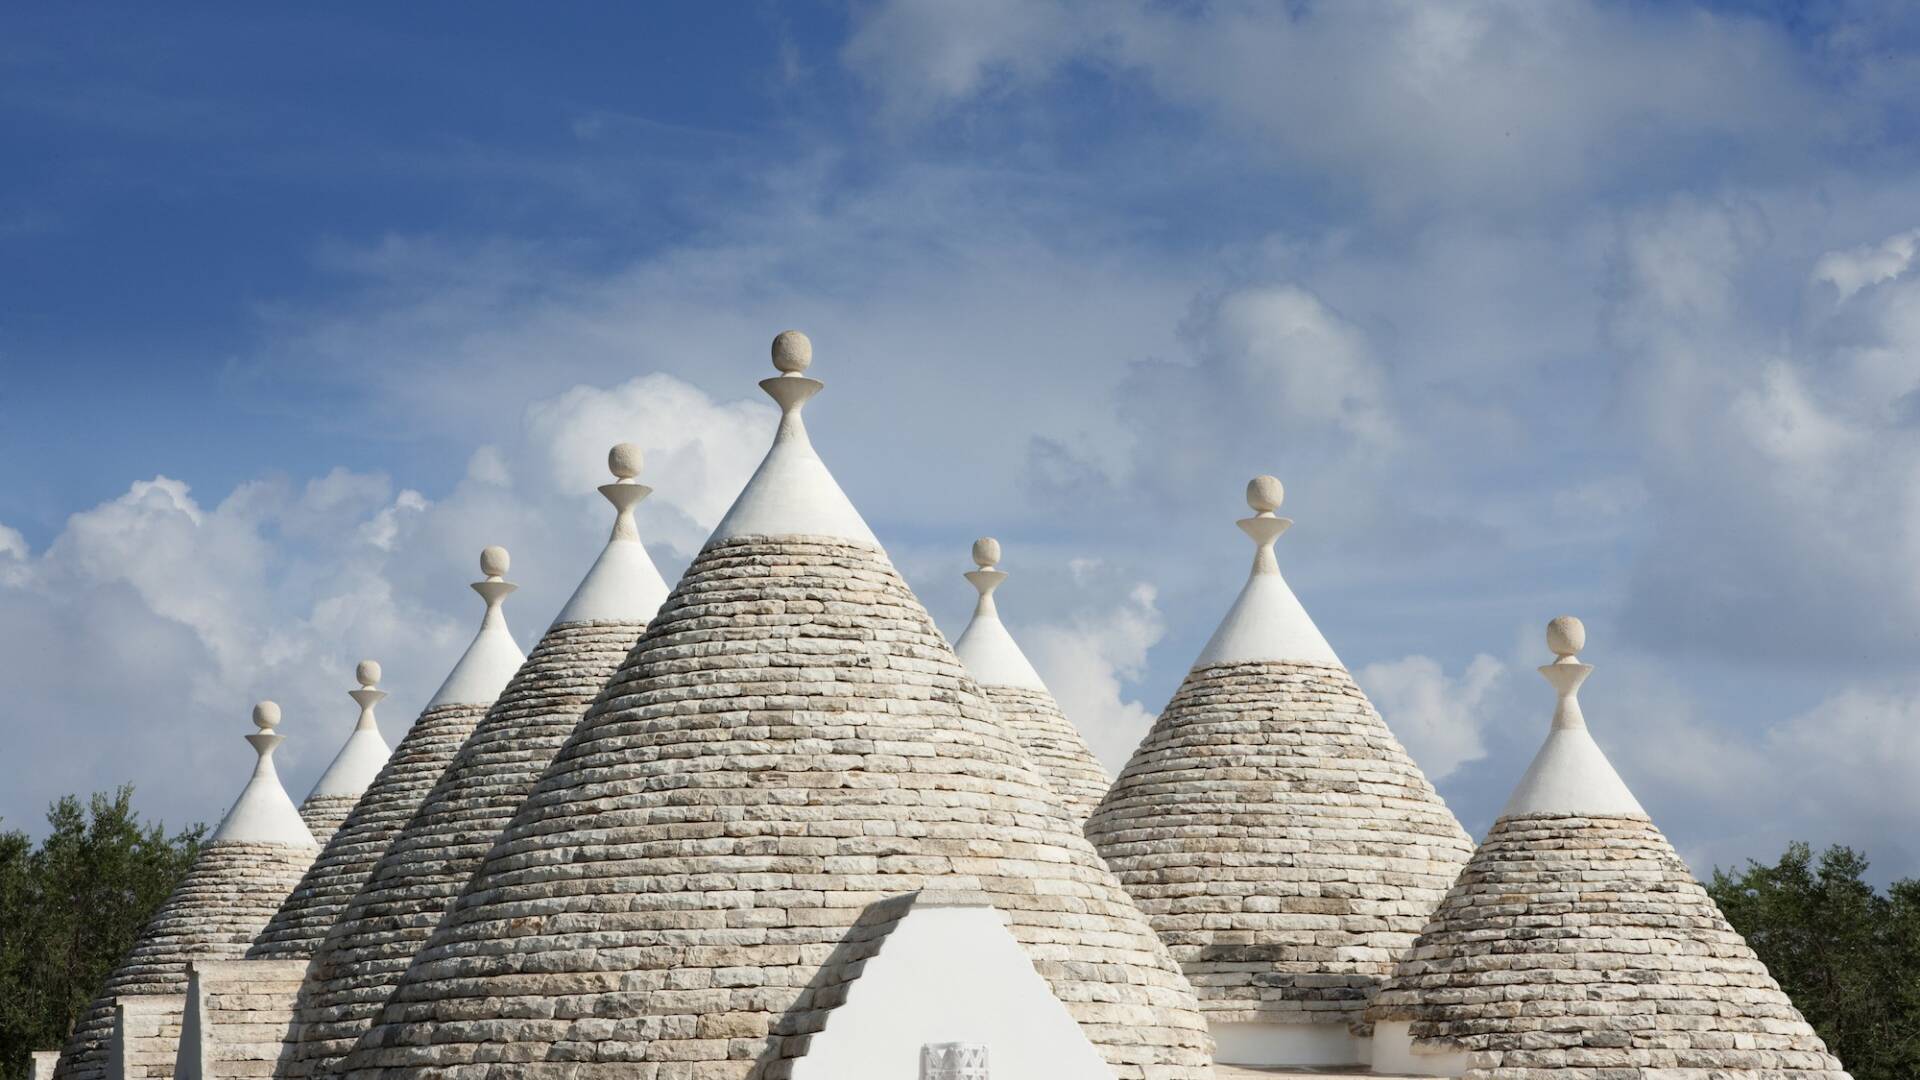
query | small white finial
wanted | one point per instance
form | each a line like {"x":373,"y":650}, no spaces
{"x":494,"y":561}
{"x":266,"y":716}
{"x":1265,"y":493}
{"x":1566,"y":636}
{"x":368,"y":672}
{"x":986,"y":553}
{"x":625,"y":460}
{"x":792,"y":352}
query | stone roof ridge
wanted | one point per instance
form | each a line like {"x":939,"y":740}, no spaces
{"x":792,"y":493}
{"x":623,"y":585}
{"x":366,"y":749}
{"x":989,"y":652}
{"x":483,"y":670}
{"x":1266,"y":622}
{"x":263,"y":814}
{"x":1570,"y":774}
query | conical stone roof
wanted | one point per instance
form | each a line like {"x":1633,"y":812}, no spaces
{"x":1285,"y":845}
{"x":995,"y":661}
{"x":790,"y":743}
{"x":418,"y":878}
{"x":236,"y":881}
{"x":354,"y":767}
{"x":347,"y":860}
{"x":1578,"y":944}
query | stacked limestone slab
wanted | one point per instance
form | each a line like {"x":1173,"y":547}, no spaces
{"x":1285,"y":845}
{"x":354,"y":768}
{"x":995,"y":661}
{"x":790,"y":743}
{"x":343,"y":866}
{"x":256,"y":855}
{"x":422,"y":872}
{"x":236,"y":1020}
{"x":1577,"y":944}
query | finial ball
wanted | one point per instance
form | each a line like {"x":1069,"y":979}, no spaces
{"x":792,"y":352}
{"x":1265,"y":493}
{"x":625,"y":460}
{"x":986,"y":552}
{"x":266,"y":716}
{"x":368,"y":672}
{"x":494,"y":561}
{"x":1566,"y":636}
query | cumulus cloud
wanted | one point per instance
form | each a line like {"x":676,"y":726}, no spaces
{"x":1088,"y":661}
{"x":1437,"y":717}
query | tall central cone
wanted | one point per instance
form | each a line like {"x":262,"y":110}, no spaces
{"x":691,"y":888}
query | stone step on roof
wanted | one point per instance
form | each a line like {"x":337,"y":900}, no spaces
{"x":996,"y":662}
{"x":790,"y":743}
{"x":1281,"y":839}
{"x":438,"y":850}
{"x":234,"y":884}
{"x":349,"y":857}
{"x":1576,"y":943}
{"x":355,"y":767}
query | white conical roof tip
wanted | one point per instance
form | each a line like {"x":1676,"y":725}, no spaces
{"x":1265,"y":494}
{"x":623,"y":585}
{"x":263,"y":814}
{"x":266,"y":715}
{"x":986,"y":553}
{"x":487,"y":665}
{"x":792,"y":352}
{"x":367,"y":673}
{"x":989,"y":653}
{"x":1566,"y":636}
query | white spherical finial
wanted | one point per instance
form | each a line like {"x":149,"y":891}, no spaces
{"x":266,"y":716}
{"x":792,"y":352}
{"x":1265,"y":493}
{"x":494,"y":561}
{"x":368,"y":672}
{"x":625,"y":460}
{"x":1566,"y":636}
{"x":986,"y":552}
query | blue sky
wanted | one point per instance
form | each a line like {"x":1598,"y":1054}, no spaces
{"x":1610,"y":309}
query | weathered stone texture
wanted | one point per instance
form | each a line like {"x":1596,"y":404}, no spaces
{"x":238,"y":1015}
{"x":424,"y":869}
{"x":791,"y":742}
{"x":1285,"y":846}
{"x":347,"y":860}
{"x":324,"y":814}
{"x":225,"y":898}
{"x":1054,"y":746}
{"x":146,"y":1032}
{"x":1582,"y":947}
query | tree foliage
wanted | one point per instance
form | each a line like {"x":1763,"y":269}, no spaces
{"x":70,"y":908}
{"x":1847,"y":955}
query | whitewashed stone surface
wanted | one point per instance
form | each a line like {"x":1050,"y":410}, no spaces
{"x":324,"y":814}
{"x":791,"y":743}
{"x":349,"y":857}
{"x":424,"y":869}
{"x":1285,"y":846}
{"x":1582,"y":948}
{"x":225,"y":898}
{"x":1054,"y":746}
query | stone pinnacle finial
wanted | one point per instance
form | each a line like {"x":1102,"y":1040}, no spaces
{"x":1566,"y":636}
{"x":266,"y":716}
{"x":625,"y":461}
{"x":986,"y":553}
{"x":494,"y":562}
{"x":1264,"y":494}
{"x":368,"y":673}
{"x":792,"y":352}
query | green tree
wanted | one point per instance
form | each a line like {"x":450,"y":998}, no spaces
{"x":1848,"y":956}
{"x":70,"y":909}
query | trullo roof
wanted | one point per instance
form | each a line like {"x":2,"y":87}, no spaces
{"x":354,"y":767}
{"x":995,"y":661}
{"x":790,"y":743}
{"x":1285,"y":845}
{"x":1578,"y":944}
{"x":423,"y":754}
{"x":237,"y":880}
{"x":422,"y":872}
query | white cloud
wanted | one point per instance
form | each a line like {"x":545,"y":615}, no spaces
{"x":1087,"y":662}
{"x":1870,"y":264}
{"x":1437,"y":717}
